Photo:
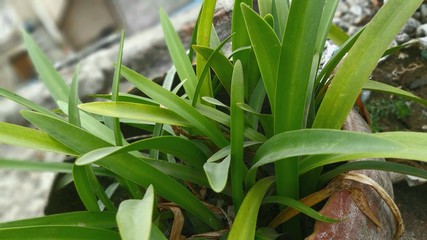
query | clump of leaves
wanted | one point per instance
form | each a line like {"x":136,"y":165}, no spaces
{"x":383,"y":109}
{"x":213,"y":167}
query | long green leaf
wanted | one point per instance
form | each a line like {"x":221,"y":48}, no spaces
{"x":89,"y":219}
{"x":337,"y":145}
{"x":205,"y":71}
{"x":124,"y":165}
{"x":244,"y":225}
{"x":237,"y":123}
{"x":240,"y":38}
{"x":203,"y":39}
{"x":73,"y":100}
{"x":53,"y":81}
{"x":360,"y":62}
{"x":58,"y":232}
{"x":91,"y":124}
{"x":220,"y":64}
{"x":176,"y":104}
{"x":385,"y":88}
{"x":134,"y":217}
{"x":176,"y":146}
{"x":35,"y":166}
{"x":373,"y":165}
{"x":300,"y":207}
{"x":294,"y":85}
{"x":136,"y":111}
{"x":115,"y":88}
{"x":84,"y":188}
{"x":25,"y":102}
{"x":179,"y":57}
{"x":26,"y":137}
{"x":266,"y":47}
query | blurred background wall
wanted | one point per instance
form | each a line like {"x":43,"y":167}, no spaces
{"x":68,"y":30}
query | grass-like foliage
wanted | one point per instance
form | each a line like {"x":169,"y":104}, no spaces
{"x":279,"y":116}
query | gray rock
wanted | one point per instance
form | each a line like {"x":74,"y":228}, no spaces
{"x":421,"y":30}
{"x":24,"y":194}
{"x":411,"y":26}
{"x":402,"y":38}
{"x":423,"y":13}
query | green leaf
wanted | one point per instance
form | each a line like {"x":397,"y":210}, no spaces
{"x":134,"y":217}
{"x":125,"y":165}
{"x":35,"y":166}
{"x":73,"y":100}
{"x":176,"y":104}
{"x":127,"y":97}
{"x":135,"y":111}
{"x":89,"y":219}
{"x":220,"y":64}
{"x":240,"y":38}
{"x":267,"y":49}
{"x":337,"y":35}
{"x":215,"y":102}
{"x":244,"y":225}
{"x":280,"y":13}
{"x":217,"y":174}
{"x":294,"y":87}
{"x":176,"y":146}
{"x":115,"y":88}
{"x":179,"y":57}
{"x":237,"y":124}
{"x":360,"y":61}
{"x":84,"y":187}
{"x":91,"y":124}
{"x":204,"y":26}
{"x":266,"y":233}
{"x":264,"y":7}
{"x":25,"y":102}
{"x":205,"y":71}
{"x":29,"y":138}
{"x":373,"y":165}
{"x":58,"y":232}
{"x":53,"y":81}
{"x":300,"y":207}
{"x":343,"y":145}
{"x":385,"y":88}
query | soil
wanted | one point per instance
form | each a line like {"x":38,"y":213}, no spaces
{"x":406,"y":69}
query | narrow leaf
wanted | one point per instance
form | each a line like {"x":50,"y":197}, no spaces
{"x":179,"y":57}
{"x":178,"y":105}
{"x":176,"y":146}
{"x":244,"y":225}
{"x":89,"y":219}
{"x":142,"y":112}
{"x":26,"y":137}
{"x":124,"y":165}
{"x":53,"y":81}
{"x":58,"y":232}
{"x":385,"y":88}
{"x":360,"y":62}
{"x":267,"y":49}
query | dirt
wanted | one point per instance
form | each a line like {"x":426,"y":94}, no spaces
{"x":406,"y":69}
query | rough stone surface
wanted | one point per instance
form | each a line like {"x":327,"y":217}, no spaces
{"x":24,"y":194}
{"x":342,"y":206}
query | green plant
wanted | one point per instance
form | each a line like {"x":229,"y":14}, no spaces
{"x":201,"y":152}
{"x":387,"y":108}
